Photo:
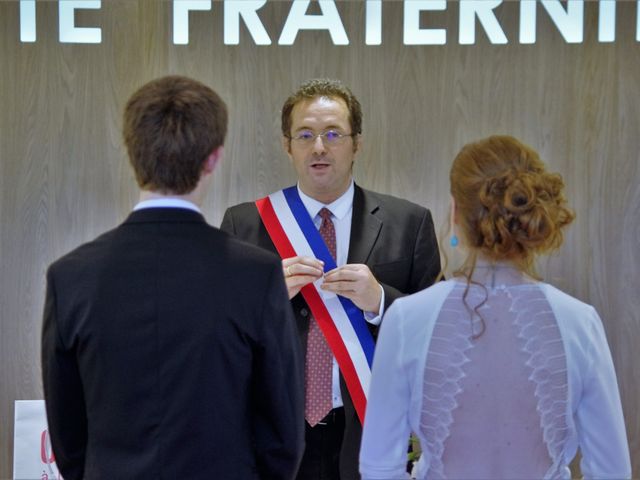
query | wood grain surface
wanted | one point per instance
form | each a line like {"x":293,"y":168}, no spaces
{"x":65,"y":178}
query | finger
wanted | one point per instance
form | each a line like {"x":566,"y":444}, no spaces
{"x":356,"y":267}
{"x":299,"y":281}
{"x":338,"y":275}
{"x":290,"y":261}
{"x":343,"y":293}
{"x":301,"y":269}
{"x":309,"y":261}
{"x":302,"y":266}
{"x":351,"y":267}
{"x":332,"y":273}
{"x":339,"y":287}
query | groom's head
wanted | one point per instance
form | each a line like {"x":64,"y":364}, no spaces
{"x":172,"y":125}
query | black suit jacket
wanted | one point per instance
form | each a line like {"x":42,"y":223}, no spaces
{"x":169,"y":351}
{"x":395,"y":238}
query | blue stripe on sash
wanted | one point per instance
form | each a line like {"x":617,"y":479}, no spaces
{"x":308,"y":228}
{"x":320,"y":250}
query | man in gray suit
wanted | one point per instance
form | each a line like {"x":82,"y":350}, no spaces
{"x":379,"y":248}
{"x":169,"y":349}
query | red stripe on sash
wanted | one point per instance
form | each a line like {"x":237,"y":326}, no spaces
{"x":315,"y":303}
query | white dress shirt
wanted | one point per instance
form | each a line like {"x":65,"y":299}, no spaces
{"x":166,"y":203}
{"x":341,"y":213}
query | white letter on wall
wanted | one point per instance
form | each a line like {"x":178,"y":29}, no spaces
{"x":373,"y":28}
{"x":527,"y":21}
{"x":638,"y":22}
{"x":483,"y":9}
{"x":247,"y":9}
{"x":299,"y":20}
{"x":27,"y":20}
{"x":69,"y":33}
{"x":413,"y":34}
{"x":607,"y":21}
{"x":181,"y":10}
{"x":570,"y":22}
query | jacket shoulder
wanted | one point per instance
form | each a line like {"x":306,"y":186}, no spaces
{"x":242,"y":209}
{"x":572,"y":314}
{"x":243,"y":251}
{"x":562,"y":300}
{"x":83,"y":252}
{"x":241,"y":214}
{"x":392,"y":203}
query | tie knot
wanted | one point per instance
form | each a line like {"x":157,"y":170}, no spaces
{"x":325,"y":213}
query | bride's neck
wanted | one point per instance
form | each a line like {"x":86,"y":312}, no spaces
{"x":492,"y":273}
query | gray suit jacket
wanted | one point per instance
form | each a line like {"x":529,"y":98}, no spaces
{"x":395,"y":238}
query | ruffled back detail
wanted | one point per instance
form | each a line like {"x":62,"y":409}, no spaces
{"x":444,"y":370}
{"x":495,"y":406}
{"x":541,"y":340}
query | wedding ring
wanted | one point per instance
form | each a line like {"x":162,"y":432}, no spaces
{"x":288,"y":271}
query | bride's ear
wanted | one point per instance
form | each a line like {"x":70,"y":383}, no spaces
{"x":454,"y":213}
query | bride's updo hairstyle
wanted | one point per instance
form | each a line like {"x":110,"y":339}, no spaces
{"x":508,"y":207}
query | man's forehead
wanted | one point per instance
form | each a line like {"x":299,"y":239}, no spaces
{"x":320,"y":109}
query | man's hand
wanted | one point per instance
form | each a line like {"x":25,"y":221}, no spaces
{"x":357,"y":283}
{"x":300,"y":271}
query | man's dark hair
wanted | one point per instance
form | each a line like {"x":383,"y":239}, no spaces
{"x":323,"y":87}
{"x":171,"y":125}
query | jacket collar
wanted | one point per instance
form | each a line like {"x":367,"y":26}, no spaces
{"x":166,"y":215}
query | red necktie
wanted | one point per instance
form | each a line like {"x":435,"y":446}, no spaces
{"x":319,"y":362}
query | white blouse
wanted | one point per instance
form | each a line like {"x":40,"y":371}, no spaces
{"x":516,"y":402}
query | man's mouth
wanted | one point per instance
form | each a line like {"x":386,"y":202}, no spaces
{"x":320,"y":165}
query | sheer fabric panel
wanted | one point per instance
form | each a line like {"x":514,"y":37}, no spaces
{"x":495,"y":406}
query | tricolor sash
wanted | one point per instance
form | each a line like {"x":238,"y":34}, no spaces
{"x":293,"y":233}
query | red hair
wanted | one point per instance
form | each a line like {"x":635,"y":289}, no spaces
{"x":508,"y":207}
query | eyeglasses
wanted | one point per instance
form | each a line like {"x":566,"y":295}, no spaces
{"x":330,"y":137}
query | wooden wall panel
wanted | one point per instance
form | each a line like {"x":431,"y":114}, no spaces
{"x":64,"y":176}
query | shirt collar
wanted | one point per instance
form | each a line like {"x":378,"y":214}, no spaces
{"x":166,"y":203}
{"x":339,"y":207}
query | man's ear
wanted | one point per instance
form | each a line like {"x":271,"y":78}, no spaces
{"x":357,"y":143}
{"x":213,"y":159}
{"x":286,"y":145}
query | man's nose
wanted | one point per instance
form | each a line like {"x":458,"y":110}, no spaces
{"x":318,"y":145}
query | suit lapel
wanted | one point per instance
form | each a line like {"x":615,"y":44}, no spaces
{"x":365,"y":226}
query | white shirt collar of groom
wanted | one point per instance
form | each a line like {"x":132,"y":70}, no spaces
{"x":338,"y":208}
{"x":166,"y":203}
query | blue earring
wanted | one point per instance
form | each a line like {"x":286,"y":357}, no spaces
{"x":454,"y":241}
